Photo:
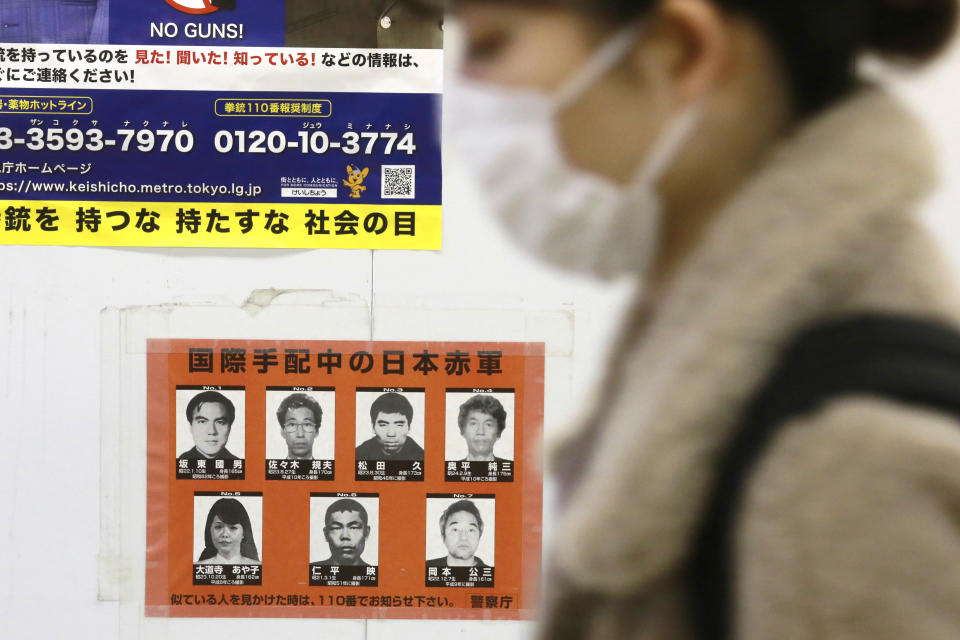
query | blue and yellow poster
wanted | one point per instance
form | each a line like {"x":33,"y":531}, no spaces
{"x":221,"y":123}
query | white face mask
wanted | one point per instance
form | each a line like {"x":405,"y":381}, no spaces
{"x":569,"y":217}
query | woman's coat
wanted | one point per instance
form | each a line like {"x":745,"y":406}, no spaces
{"x":851,"y":525}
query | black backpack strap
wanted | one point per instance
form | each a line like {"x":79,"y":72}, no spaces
{"x":906,"y":359}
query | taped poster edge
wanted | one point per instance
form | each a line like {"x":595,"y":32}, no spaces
{"x":121,"y":561}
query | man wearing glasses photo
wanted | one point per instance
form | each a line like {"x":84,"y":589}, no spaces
{"x":299,"y":416}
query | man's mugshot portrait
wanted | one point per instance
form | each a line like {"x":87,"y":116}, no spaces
{"x":228,"y":535}
{"x":299,"y":425}
{"x":342,"y":531}
{"x":391,"y":419}
{"x":466,"y":530}
{"x":479,"y":427}
{"x":211,"y":418}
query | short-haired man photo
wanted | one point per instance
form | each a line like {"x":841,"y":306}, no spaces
{"x":300,"y":417}
{"x":211,"y":415}
{"x":482,"y":420}
{"x":391,"y":415}
{"x":346,"y":529}
{"x":461,"y":527}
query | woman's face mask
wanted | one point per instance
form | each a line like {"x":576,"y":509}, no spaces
{"x":575,"y":219}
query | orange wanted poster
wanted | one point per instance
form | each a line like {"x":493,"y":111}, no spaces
{"x":343,"y":479}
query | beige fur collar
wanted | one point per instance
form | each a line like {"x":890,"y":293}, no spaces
{"x":792,"y":247}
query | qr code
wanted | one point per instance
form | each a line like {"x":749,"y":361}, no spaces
{"x":398,"y":181}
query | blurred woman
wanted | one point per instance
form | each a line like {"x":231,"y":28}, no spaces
{"x":228,"y":535}
{"x":727,"y":155}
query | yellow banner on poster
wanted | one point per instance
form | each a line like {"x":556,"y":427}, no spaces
{"x":220,"y":225}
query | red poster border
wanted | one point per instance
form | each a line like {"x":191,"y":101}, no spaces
{"x":523,"y":370}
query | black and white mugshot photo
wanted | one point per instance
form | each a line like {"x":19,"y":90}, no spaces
{"x":479,"y":426}
{"x":300,"y":424}
{"x":344,"y":530}
{"x":390,"y":425}
{"x":460,"y":531}
{"x":210,"y":424}
{"x":227,"y":529}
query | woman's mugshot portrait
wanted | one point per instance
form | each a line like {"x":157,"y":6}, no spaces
{"x":228,"y":534}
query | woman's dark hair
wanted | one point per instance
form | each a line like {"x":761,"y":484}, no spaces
{"x":230,"y":511}
{"x":818,"y":41}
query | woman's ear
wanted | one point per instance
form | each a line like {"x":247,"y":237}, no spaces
{"x":686,"y":49}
